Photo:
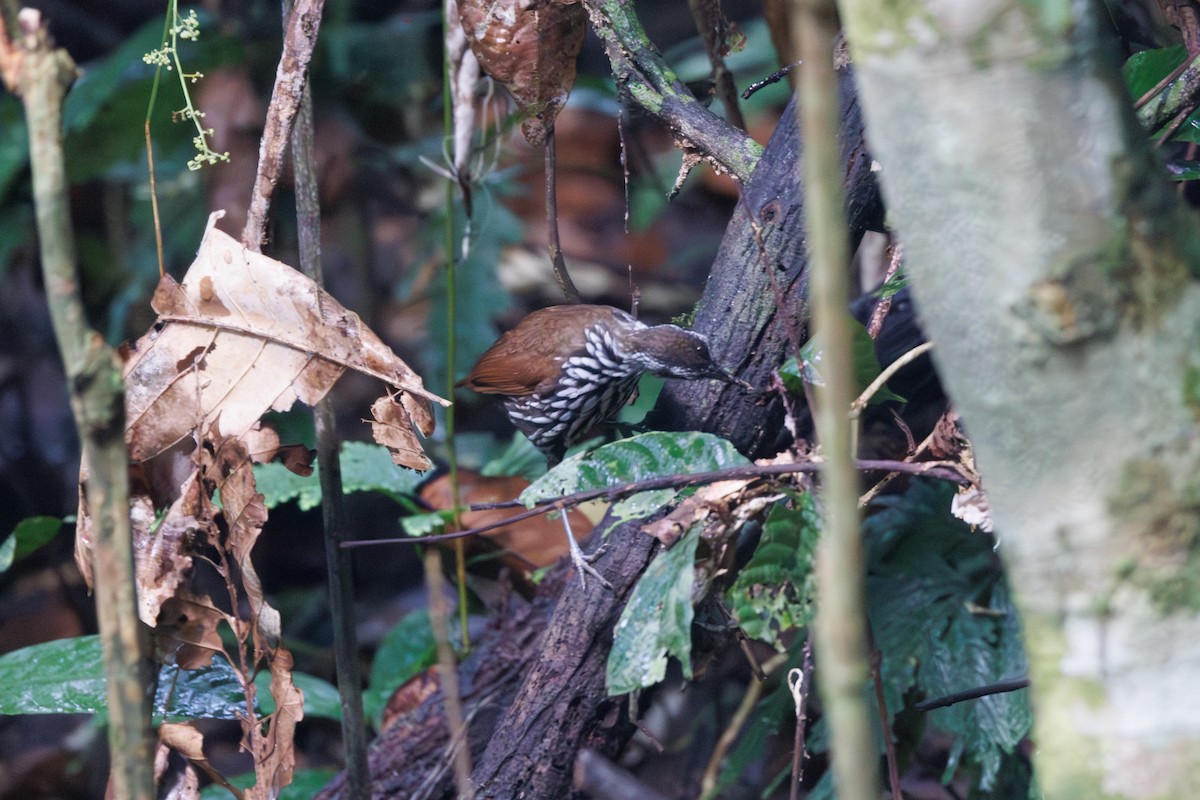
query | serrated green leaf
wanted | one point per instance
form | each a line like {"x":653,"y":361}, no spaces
{"x":365,"y":468}
{"x":656,"y":622}
{"x":647,"y":455}
{"x":408,"y":649}
{"x":773,"y":593}
{"x":278,"y":485}
{"x":425,"y":524}
{"x":866,"y":365}
{"x":29,"y":535}
{"x":929,"y":576}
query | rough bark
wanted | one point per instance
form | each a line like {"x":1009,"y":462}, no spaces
{"x":1055,"y":271}
{"x":754,"y":307}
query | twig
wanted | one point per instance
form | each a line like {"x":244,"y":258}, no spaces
{"x":880,"y":311}
{"x":840,"y":624}
{"x":774,"y":77}
{"x":886,"y":374}
{"x":934,"y":469}
{"x":561,"y":276}
{"x":338,"y":565}
{"x":885,"y":730}
{"x":714,"y":30}
{"x":640,"y":71}
{"x":93,"y":372}
{"x":801,"y":691}
{"x":1000,"y":687}
{"x":448,"y":672}
{"x":299,"y":37}
{"x":708,"y":784}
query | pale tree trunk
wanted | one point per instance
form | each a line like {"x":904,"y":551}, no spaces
{"x":1054,"y":270}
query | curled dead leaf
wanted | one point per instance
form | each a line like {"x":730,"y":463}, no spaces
{"x":244,"y":334}
{"x":529,"y":46}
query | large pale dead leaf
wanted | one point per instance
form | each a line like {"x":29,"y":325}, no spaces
{"x":244,"y":334}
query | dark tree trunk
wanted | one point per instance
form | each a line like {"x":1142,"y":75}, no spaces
{"x":533,"y":689}
{"x":754,"y":308}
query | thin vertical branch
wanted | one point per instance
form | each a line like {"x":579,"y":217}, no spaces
{"x":840,"y":627}
{"x":98,"y":403}
{"x":299,"y":38}
{"x":448,"y":675}
{"x":338,"y":562}
{"x":552,"y":241}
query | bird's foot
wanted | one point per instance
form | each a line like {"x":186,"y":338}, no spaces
{"x":583,"y":564}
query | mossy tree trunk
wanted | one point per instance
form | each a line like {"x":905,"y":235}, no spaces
{"x":1055,"y":271}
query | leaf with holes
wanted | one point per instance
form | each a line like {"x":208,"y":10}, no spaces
{"x":244,"y":334}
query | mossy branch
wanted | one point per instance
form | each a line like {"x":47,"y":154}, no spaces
{"x":640,"y":71}
{"x":98,"y":403}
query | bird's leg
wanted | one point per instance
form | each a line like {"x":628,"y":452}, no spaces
{"x":579,"y":559}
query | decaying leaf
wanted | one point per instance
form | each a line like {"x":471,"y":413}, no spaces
{"x":273,"y":749}
{"x":244,"y":334}
{"x":529,"y":46}
{"x":392,"y":427}
{"x":536,"y":542}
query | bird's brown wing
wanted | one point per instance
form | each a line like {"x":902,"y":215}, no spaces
{"x":531,"y":354}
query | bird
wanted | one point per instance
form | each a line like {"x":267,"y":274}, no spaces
{"x":566,"y":369}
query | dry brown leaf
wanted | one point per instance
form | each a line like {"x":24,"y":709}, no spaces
{"x":186,"y":740}
{"x":536,"y":542}
{"x":186,"y":631}
{"x":244,"y":334}
{"x":530,"y":47}
{"x":392,"y":427}
{"x":273,"y":750}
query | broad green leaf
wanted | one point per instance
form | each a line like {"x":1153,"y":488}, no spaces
{"x":647,"y":455}
{"x":519,"y":458}
{"x":408,"y":649}
{"x":365,"y":468}
{"x":30,"y":534}
{"x":656,"y":622}
{"x":66,"y":676}
{"x":943,"y":621}
{"x":1144,"y":70}
{"x":866,"y":365}
{"x":320,"y":697}
{"x":774,"y":592}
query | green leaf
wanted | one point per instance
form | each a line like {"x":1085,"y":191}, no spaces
{"x":866,"y":365}
{"x":774,"y":592}
{"x":408,"y":649}
{"x":656,"y":622}
{"x":519,"y":458}
{"x":365,"y":468}
{"x":943,"y":621}
{"x":425,"y":524}
{"x":1144,"y":70}
{"x":647,"y":455}
{"x":320,"y":697}
{"x":30,"y":534}
{"x":66,"y":676}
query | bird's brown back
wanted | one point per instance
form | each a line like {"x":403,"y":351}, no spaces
{"x":531,"y":354}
